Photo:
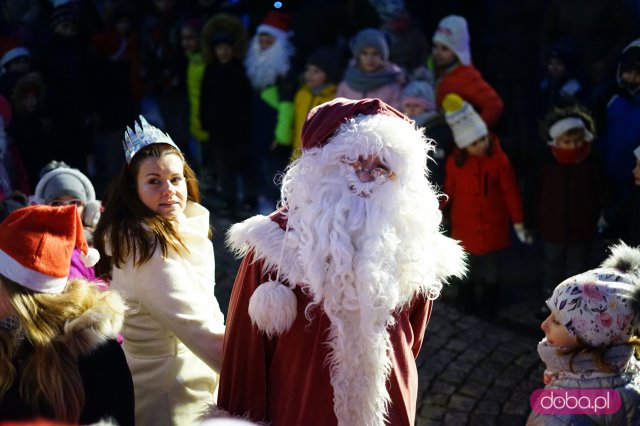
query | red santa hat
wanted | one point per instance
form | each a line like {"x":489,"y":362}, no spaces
{"x":275,"y":23}
{"x":323,"y":120}
{"x":10,"y":49}
{"x":36,"y":245}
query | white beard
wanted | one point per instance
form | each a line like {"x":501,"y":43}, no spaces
{"x":360,"y":249}
{"x":264,"y":67}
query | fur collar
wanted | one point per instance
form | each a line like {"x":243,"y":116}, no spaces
{"x":97,"y":324}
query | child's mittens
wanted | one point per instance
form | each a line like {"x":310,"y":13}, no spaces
{"x":523,"y":235}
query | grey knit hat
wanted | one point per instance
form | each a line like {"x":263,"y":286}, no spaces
{"x":370,"y":37}
{"x":61,"y":181}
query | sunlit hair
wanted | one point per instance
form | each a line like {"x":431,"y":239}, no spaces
{"x":126,"y":223}
{"x":597,"y":353}
{"x":49,"y":380}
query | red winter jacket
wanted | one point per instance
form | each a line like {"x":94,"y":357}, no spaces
{"x":467,"y":82}
{"x":483,"y":196}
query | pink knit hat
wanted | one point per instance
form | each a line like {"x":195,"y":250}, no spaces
{"x":452,"y":31}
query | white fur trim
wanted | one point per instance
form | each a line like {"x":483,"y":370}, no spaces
{"x":273,"y":308}
{"x":562,"y":126}
{"x":636,"y":152}
{"x":272,"y":31}
{"x":30,"y":278}
{"x":12,"y":54}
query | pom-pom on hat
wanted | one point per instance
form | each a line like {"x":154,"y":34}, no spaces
{"x":600,"y":306}
{"x":370,"y":37}
{"x":418,"y":92}
{"x":10,"y":49}
{"x":452,"y":31}
{"x":466,"y":124}
{"x":275,"y":23}
{"x":36,"y":245}
{"x":323,"y":120}
{"x":143,"y":134}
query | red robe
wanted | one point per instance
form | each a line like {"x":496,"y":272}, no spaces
{"x":285,"y":379}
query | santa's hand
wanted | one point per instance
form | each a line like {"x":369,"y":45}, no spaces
{"x":523,"y":235}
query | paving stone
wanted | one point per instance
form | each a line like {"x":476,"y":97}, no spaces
{"x":432,"y":412}
{"x":455,"y":377}
{"x":517,"y":407}
{"x":458,"y":345}
{"x":499,"y":394}
{"x":461,"y":403}
{"x":466,"y":323}
{"x":482,"y":420}
{"x":473,"y":389}
{"x":488,"y":407}
{"x":443,"y":387}
{"x":511,"y":420}
{"x":527,"y":360}
{"x":453,"y":418}
{"x":436,"y":398}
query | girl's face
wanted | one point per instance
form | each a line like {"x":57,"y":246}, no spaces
{"x":556,"y":68}
{"x":571,"y":139}
{"x":223,"y":52}
{"x":479,"y":147}
{"x":636,"y":173}
{"x":30,"y":103}
{"x":557,"y":335}
{"x":20,"y":65}
{"x":189,"y":39}
{"x":161,"y":185}
{"x":67,"y":200}
{"x":370,"y":59}
{"x":442,"y":55}
{"x":314,"y":77}
{"x":412,"y":109}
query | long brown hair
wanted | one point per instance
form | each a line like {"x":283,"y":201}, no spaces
{"x":48,"y":376}
{"x":130,"y":228}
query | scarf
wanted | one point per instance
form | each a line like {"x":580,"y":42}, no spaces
{"x":571,"y":156}
{"x":366,"y":82}
{"x":619,"y":357}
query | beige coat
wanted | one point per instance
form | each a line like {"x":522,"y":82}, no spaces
{"x":174,"y":327}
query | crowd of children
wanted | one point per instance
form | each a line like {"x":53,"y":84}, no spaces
{"x":229,"y":86}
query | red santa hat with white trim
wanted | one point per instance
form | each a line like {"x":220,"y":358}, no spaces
{"x":36,"y":245}
{"x":10,"y":49}
{"x":275,"y":23}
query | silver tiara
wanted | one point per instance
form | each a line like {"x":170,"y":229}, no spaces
{"x":143,"y":135}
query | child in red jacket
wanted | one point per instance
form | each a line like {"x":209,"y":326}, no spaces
{"x":483,"y":200}
{"x":454,"y":72}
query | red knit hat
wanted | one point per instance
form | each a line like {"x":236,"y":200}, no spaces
{"x":275,"y":23}
{"x":36,"y":245}
{"x":323,"y":120}
{"x":10,"y":49}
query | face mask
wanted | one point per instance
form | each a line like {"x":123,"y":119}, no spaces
{"x":571,"y":156}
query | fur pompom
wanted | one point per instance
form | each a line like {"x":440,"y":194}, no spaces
{"x":273,"y":308}
{"x":624,"y":258}
{"x":91,"y":258}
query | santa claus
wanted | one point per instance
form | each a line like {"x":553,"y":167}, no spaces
{"x":332,"y":299}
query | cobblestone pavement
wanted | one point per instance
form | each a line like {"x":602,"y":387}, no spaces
{"x":470,"y":371}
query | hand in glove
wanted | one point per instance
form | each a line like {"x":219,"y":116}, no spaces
{"x":523,"y":235}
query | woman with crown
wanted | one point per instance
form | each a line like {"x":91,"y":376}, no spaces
{"x":154,"y":241}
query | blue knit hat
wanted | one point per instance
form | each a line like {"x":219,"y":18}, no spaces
{"x":370,"y":37}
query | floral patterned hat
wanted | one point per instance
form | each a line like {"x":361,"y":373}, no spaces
{"x":601,"y":305}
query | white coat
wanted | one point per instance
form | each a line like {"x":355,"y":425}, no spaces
{"x":174,"y":327}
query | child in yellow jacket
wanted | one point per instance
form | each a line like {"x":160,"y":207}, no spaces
{"x":320,"y":76}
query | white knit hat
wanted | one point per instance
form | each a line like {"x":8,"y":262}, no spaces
{"x":452,"y":31}
{"x":466,"y":124}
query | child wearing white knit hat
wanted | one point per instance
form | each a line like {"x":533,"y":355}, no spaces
{"x":590,"y":337}
{"x":455,"y":73}
{"x":483,"y":199}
